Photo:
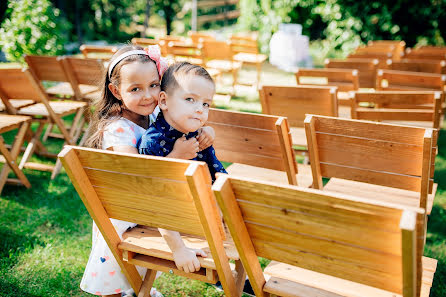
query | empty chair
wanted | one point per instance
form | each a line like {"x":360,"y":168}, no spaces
{"x":295,"y":102}
{"x":324,"y":244}
{"x":185,"y":52}
{"x":366,"y":69}
{"x":364,"y":158}
{"x":104,"y":51}
{"x":413,"y":108}
{"x":407,"y":80}
{"x":424,"y":54}
{"x":430,"y":66}
{"x":199,"y":37}
{"x":398,"y":45}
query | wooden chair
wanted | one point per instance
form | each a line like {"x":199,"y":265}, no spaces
{"x":198,"y":37}
{"x":295,"y":102}
{"x":399,"y":46}
{"x":345,"y":80}
{"x":366,"y":67}
{"x":245,"y":51}
{"x":9,"y":123}
{"x":421,"y":54}
{"x":373,"y":160}
{"x":103,"y":51}
{"x":186,"y":52}
{"x":430,"y":66}
{"x":23,"y":84}
{"x":406,"y":80}
{"x":144,"y":41}
{"x":166,"y":193}
{"x":258,"y":146}
{"x":218,"y":55}
{"x":413,"y":108}
{"x":376,"y":52}
{"x":324,"y":244}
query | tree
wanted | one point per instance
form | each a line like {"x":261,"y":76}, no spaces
{"x":32,"y":27}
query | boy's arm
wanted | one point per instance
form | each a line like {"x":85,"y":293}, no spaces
{"x":213,"y":163}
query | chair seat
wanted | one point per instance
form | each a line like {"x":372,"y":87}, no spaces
{"x":387,"y":194}
{"x":304,"y":177}
{"x":250,"y":58}
{"x":10,"y":122}
{"x":85,"y":89}
{"x":223,"y":65}
{"x":298,"y":136}
{"x":61,"y":108}
{"x":63,"y":89}
{"x":191,"y":60}
{"x":148,"y":241}
{"x":291,"y":281}
{"x":17,"y":103}
{"x":92,"y":96}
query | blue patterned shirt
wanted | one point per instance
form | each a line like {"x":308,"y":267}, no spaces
{"x":159,"y":139}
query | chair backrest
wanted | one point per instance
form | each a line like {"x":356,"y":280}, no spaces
{"x":98,"y":49}
{"x":183,"y":50}
{"x":254,"y":139}
{"x":370,"y":243}
{"x":430,"y":66}
{"x":16,"y":84}
{"x":344,"y":79}
{"x":216,"y":50}
{"x":366,"y":68}
{"x":47,"y":68}
{"x":243,"y":44}
{"x":407,"y":80}
{"x":426,"y":54}
{"x":83,"y":72}
{"x":147,"y":190}
{"x":144,"y":41}
{"x":198,"y":37}
{"x":377,"y":153}
{"x":397,"y":106}
{"x":295,"y":102}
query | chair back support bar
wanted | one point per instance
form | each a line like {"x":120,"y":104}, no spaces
{"x":338,"y":235}
{"x":15,"y":84}
{"x":407,"y":80}
{"x":343,"y":79}
{"x":366,"y":68}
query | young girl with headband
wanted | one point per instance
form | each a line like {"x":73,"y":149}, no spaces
{"x":125,"y":110}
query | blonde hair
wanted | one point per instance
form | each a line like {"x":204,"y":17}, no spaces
{"x":108,"y":108}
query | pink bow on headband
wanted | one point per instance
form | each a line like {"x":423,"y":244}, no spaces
{"x":154,"y":53}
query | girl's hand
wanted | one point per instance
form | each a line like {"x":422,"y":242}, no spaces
{"x":186,"y":259}
{"x":184,"y":149}
{"x":206,"y":136}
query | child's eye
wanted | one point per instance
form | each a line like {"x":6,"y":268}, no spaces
{"x":154,"y":85}
{"x":206,"y":104}
{"x":190,"y":99}
{"x":136,"y":89}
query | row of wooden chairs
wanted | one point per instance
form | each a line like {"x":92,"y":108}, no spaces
{"x":333,"y":240}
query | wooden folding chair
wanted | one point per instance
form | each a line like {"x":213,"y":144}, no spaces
{"x":9,"y":123}
{"x":377,"y":161}
{"x":23,"y":84}
{"x":345,"y":80}
{"x":398,"y":46}
{"x":245,"y":50}
{"x":258,"y":146}
{"x":407,"y":80}
{"x":165,"y":193}
{"x":324,"y":244}
{"x":295,"y":102}
{"x":412,"y":108}
{"x":366,"y":69}
{"x":375,"y":52}
{"x":198,"y":37}
{"x":425,"y":54}
{"x":218,"y":55}
{"x":430,"y":66}
{"x":103,"y":51}
{"x":186,"y":52}
{"x":144,"y":41}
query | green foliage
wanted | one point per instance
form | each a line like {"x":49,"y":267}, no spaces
{"x":33,"y":27}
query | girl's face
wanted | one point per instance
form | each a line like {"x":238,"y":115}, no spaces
{"x":139,"y":88}
{"x":186,"y":108}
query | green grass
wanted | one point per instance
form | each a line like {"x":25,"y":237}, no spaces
{"x":45,"y":231}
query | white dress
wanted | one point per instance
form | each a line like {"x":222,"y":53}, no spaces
{"x":103,"y":275}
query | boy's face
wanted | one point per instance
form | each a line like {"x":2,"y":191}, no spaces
{"x":186,"y":108}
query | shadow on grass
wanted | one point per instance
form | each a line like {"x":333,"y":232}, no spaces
{"x":9,"y":289}
{"x":13,"y":243}
{"x":437,"y":222}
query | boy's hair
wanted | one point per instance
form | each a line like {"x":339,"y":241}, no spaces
{"x":108,"y":107}
{"x":169,"y":81}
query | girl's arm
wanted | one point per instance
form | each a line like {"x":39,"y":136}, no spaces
{"x":185,"y":258}
{"x":124,"y":149}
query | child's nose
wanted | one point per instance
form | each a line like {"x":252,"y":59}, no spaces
{"x":199,"y":108}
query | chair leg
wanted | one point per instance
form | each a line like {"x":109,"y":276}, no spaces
{"x":48,"y":130}
{"x":31,"y":146}
{"x":147,"y":283}
{"x":241,"y":277}
{"x":259,"y":72}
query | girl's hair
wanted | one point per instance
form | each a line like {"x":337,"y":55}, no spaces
{"x":109,"y":108}
{"x":169,"y":81}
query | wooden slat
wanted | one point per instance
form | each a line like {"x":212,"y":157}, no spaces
{"x":366,"y":68}
{"x":389,"y":98}
{"x":413,"y":79}
{"x":395,"y":115}
{"x":86,"y":71}
{"x":47,"y":68}
{"x":14,"y":84}
{"x":332,"y":74}
{"x":418,"y":65}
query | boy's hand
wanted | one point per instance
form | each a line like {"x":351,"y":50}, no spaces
{"x":206,"y":136}
{"x":186,"y":259}
{"x":184,"y":148}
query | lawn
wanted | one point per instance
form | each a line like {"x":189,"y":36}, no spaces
{"x":46,"y":231}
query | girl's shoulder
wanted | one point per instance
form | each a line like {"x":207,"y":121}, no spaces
{"x":121,"y":132}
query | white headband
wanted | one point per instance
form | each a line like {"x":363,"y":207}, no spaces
{"x":123,"y":56}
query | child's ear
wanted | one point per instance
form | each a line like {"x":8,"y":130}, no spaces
{"x":114,"y":91}
{"x":162,"y":101}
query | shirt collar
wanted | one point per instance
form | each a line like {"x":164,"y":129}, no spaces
{"x":169,"y":131}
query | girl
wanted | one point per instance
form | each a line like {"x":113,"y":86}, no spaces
{"x":127,"y":105}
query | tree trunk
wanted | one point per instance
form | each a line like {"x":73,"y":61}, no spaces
{"x":77,"y":20}
{"x":146,"y":19}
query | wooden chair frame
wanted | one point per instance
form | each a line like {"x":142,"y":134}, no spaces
{"x":185,"y":184}
{"x":382,"y":155}
{"x":9,"y":123}
{"x":430,"y":66}
{"x":87,"y":49}
{"x":407,"y":80}
{"x":344,"y":79}
{"x":366,"y":69}
{"x":412,"y":107}
{"x":319,"y":240}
